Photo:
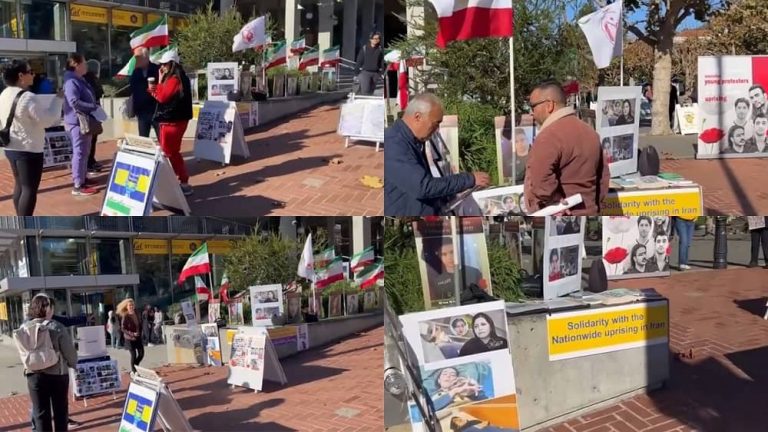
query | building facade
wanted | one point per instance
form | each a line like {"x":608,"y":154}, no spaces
{"x":89,"y":264}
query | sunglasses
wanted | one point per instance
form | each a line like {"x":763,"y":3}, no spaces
{"x":534,"y":105}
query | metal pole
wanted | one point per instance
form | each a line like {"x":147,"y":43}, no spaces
{"x":512,"y":107}
{"x":720,"y":260}
{"x":457,"y":268}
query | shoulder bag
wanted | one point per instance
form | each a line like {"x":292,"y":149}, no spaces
{"x":5,"y":133}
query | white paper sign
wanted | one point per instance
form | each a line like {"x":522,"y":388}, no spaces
{"x":618,"y":124}
{"x":563,"y":244}
{"x":222,"y":79}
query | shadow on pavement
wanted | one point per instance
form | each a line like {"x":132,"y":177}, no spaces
{"x":755,"y":307}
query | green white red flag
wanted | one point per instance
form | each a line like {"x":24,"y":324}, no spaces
{"x":309,"y":58}
{"x":277,"y":57}
{"x":370,"y":275}
{"x":331,"y":57}
{"x":197,"y":264}
{"x":324,"y":258}
{"x":154,"y":34}
{"x":334,"y":272}
{"x":201,"y":289}
{"x":362,"y":259}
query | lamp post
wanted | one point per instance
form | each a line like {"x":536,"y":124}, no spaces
{"x":720,"y":260}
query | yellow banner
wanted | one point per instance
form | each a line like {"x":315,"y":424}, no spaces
{"x":152,"y":17}
{"x":283,"y":335}
{"x":666,"y":202}
{"x":186,"y":247}
{"x":221,"y":247}
{"x":127,"y":18}
{"x":231,"y":336}
{"x":180,"y":23}
{"x":88,"y":14}
{"x":3,"y":311}
{"x":150,"y":247}
{"x":578,"y":334}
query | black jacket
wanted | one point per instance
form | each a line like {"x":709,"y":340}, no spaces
{"x":93,"y":81}
{"x":370,"y":59}
{"x":180,"y":107}
{"x":143,"y":102}
{"x":409,"y":187}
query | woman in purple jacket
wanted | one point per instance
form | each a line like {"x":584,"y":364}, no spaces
{"x":79,"y":98}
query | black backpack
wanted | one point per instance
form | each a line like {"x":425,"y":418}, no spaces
{"x":648,"y":161}
{"x":5,"y":133}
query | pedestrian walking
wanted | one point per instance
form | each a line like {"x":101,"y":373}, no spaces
{"x":113,"y":327}
{"x":47,"y":352}
{"x":132,"y":331}
{"x":158,"y":325}
{"x":759,"y":236}
{"x":147,"y":316}
{"x":684,"y":226}
{"x":370,"y":64}
{"x":79,"y":105}
{"x":26,"y":117}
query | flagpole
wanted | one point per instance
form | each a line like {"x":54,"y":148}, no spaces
{"x":457,"y":274}
{"x":512,"y":107}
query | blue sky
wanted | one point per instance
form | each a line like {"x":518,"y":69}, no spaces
{"x":640,"y":14}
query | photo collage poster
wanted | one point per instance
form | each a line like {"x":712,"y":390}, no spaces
{"x":501,"y":201}
{"x":186,"y":346}
{"x":733,"y":110}
{"x":215,"y":123}
{"x":618,"y":124}
{"x":563,"y":244}
{"x":222,"y":79}
{"x":94,"y":377}
{"x":438,"y":262}
{"x":506,"y":146}
{"x":212,"y":344}
{"x":57,"y":149}
{"x":636,"y":246}
{"x":465,"y":366}
{"x":214,"y":310}
{"x":266,"y":303}
{"x":246,"y":360}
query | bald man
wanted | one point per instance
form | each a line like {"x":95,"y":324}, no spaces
{"x":409,"y":187}
{"x":566,"y":157}
{"x":144,"y":105}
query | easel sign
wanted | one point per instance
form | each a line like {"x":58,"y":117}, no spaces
{"x":139,"y":409}
{"x":253,"y":359}
{"x":146,"y":383}
{"x":363,"y":118}
{"x":141,"y":177}
{"x":219,"y":133}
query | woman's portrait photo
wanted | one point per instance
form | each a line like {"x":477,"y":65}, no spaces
{"x":457,"y":336}
{"x":335,"y":305}
{"x":267,"y":297}
{"x":485,"y":336}
{"x":565,"y":225}
{"x":458,"y":385}
{"x":627,"y":113}
{"x":555,"y":271}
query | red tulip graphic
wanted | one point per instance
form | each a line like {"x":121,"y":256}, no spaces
{"x":615,"y":256}
{"x":669,"y":250}
{"x":712,"y":135}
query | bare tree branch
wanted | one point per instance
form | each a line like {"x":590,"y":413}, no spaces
{"x":641,"y":36}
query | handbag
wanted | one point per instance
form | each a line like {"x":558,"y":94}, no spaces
{"x":5,"y":133}
{"x":89,"y":125}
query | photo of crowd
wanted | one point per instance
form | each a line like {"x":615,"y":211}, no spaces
{"x":459,"y":336}
{"x":636,"y":245}
{"x":748,"y":130}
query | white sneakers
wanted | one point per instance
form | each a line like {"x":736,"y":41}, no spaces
{"x":685,"y":267}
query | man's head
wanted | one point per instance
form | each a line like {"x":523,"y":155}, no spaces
{"x":761,"y":126}
{"x":446,"y":257}
{"x":757,"y":96}
{"x":736,"y":137}
{"x":142,"y":57}
{"x":639,"y":256}
{"x":742,"y":108}
{"x":424,"y":115}
{"x":661,"y":238}
{"x":545,"y":99}
{"x":644,"y":225}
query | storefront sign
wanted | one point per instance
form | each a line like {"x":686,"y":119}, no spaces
{"x":664,"y":202}
{"x":150,"y":247}
{"x":3,"y":311}
{"x":127,"y":18}
{"x":220,"y":246}
{"x":88,"y":14}
{"x":186,"y":247}
{"x":181,"y":23}
{"x":154,"y":17}
{"x":579,"y":334}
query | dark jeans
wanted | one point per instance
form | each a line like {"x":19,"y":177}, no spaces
{"x":92,"y":154}
{"x":136,"y":349}
{"x":684,"y":230}
{"x":368,"y":81}
{"x":27,"y":171}
{"x":49,"y":392}
{"x":759,"y":237}
{"x":146,"y":125}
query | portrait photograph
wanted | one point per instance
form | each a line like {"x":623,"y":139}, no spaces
{"x":565,"y":225}
{"x":636,"y":246}
{"x":334,"y":301}
{"x":352,"y":304}
{"x":491,"y":201}
{"x":458,"y":384}
{"x":463,"y":335}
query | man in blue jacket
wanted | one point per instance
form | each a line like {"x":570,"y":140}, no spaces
{"x":144,"y":105}
{"x":410,"y":189}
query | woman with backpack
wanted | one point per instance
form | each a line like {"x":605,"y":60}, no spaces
{"x":47,"y":352}
{"x":131,"y":328}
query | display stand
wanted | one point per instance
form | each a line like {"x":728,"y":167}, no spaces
{"x":57,"y":150}
{"x":362,"y":118}
{"x":253,"y":359}
{"x":219,"y":133}
{"x":142,"y":177}
{"x":166,"y":409}
{"x":94,"y":375}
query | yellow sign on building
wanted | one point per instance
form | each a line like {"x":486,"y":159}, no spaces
{"x":185,"y":247}
{"x":665,"y":202}
{"x":150,"y":247}
{"x":222,"y":247}
{"x":181,"y":23}
{"x":127,"y":18}
{"x":583,"y":333}
{"x":3,"y":311}
{"x":89,"y":14}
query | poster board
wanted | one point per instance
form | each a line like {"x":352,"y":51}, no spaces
{"x":293,"y":313}
{"x":618,"y":125}
{"x":235,"y":309}
{"x":57,"y":150}
{"x":222,"y":79}
{"x":252,"y":360}
{"x":563,"y":246}
{"x":189,"y":313}
{"x":139,"y":409}
{"x":438,"y":263}
{"x":91,"y":341}
{"x":212,"y":344}
{"x":278,"y":86}
{"x":330,"y":81}
{"x":636,"y":246}
{"x":462,"y":375}
{"x":168,"y":411}
{"x":266,"y":303}
{"x":334,"y":305}
{"x":219,"y":133}
{"x":732,"y":107}
{"x":506,"y":147}
{"x":449,"y":132}
{"x":352,"y":304}
{"x":362,"y":118}
{"x":506,"y":200}
{"x":95,"y":376}
{"x":688,"y":119}
{"x":214,"y":310}
{"x":186,"y":346}
{"x":370,"y":300}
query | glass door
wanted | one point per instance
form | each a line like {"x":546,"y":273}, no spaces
{"x":93,"y":304}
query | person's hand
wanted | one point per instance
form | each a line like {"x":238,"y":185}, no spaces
{"x":60,"y":94}
{"x":482,"y":179}
{"x":566,"y":212}
{"x":152,"y":87}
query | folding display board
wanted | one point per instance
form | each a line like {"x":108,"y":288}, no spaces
{"x":219,"y":133}
{"x":362,"y":118}
{"x":563,"y":247}
{"x":146,"y":383}
{"x":618,"y":124}
{"x":253,"y":359}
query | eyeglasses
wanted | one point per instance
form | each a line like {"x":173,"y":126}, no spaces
{"x":534,"y":105}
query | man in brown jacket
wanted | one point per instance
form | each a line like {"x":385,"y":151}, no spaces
{"x":566,"y":157}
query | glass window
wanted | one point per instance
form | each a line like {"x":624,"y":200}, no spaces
{"x":8,"y":21}
{"x":43,"y":19}
{"x":90,"y":32}
{"x":64,"y":256}
{"x":59,"y":222}
{"x":155,"y":284}
{"x":153,"y":224}
{"x":123,"y":24}
{"x":60,"y":306}
{"x":110,"y":256}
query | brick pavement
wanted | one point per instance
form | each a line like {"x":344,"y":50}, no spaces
{"x":719,"y":342}
{"x":293,"y":158}
{"x":337,"y":388}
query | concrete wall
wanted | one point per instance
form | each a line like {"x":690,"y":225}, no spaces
{"x":549,"y":391}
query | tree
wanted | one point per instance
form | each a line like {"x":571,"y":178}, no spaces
{"x":661,"y":24}
{"x":740,"y":29}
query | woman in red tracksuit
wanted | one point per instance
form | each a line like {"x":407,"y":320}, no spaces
{"x":174,"y":111}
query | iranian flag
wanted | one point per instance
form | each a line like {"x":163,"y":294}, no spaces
{"x":368,"y":277}
{"x":151,"y":35}
{"x":277,"y":57}
{"x":309,"y":58}
{"x":298,"y":46}
{"x":402,"y":86}
{"x":128,"y":69}
{"x":331,"y":57}
{"x":224,"y":289}
{"x":471,"y":19}
{"x":324,"y":258}
{"x":362,"y":259}
{"x":197,"y":264}
{"x":202,"y":291}
{"x":334,"y":272}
